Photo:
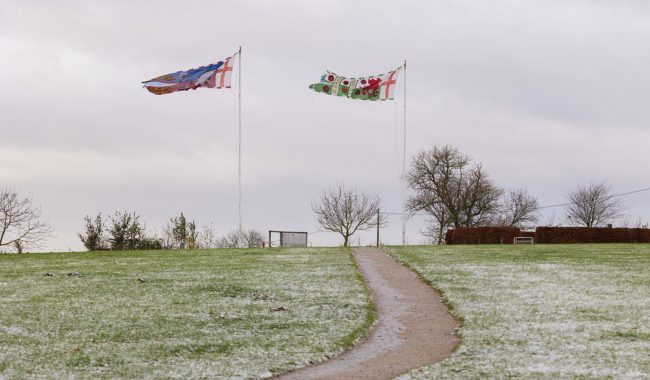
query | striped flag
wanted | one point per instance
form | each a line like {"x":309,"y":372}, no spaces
{"x":216,"y":75}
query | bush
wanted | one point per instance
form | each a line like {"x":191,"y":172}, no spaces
{"x":572,"y":235}
{"x":482,"y":235}
{"x":547,"y":235}
{"x":150,"y":243}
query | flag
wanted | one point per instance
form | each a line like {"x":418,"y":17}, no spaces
{"x":375,"y":87}
{"x":215,"y":75}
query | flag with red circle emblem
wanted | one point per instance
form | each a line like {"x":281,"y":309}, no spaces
{"x":374,"y":87}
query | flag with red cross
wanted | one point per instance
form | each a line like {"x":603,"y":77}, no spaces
{"x":216,"y":75}
{"x":374,"y":87}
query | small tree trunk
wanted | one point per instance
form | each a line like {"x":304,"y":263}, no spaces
{"x":345,"y":240}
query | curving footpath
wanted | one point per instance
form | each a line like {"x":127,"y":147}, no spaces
{"x":415,"y":328}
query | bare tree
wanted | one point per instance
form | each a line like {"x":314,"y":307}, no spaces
{"x":21,"y":224}
{"x":168,"y":236}
{"x":253,"y":238}
{"x":451,"y":188}
{"x":208,"y":237}
{"x":231,"y":240}
{"x":440,"y":216}
{"x":434,"y":230}
{"x":347,"y":211}
{"x":639,"y":223}
{"x":519,"y":209}
{"x":593,"y":205}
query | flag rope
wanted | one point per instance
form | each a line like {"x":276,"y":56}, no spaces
{"x":396,"y":132}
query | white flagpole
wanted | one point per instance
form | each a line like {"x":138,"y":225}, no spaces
{"x":241,"y":230}
{"x":404,"y":166}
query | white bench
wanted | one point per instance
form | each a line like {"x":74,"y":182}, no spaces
{"x":523,"y":240}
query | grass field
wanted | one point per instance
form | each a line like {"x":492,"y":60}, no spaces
{"x":200,"y":314}
{"x":543,"y":311}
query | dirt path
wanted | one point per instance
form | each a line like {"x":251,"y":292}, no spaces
{"x":414,"y":329}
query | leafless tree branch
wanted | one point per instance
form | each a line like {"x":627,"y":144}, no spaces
{"x":347,"y":211}
{"x":519,"y":209}
{"x":453,"y":190}
{"x":21,"y":223}
{"x":593,"y":205}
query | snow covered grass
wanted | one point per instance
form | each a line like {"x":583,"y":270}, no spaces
{"x":542,"y":311}
{"x":198,"y":314}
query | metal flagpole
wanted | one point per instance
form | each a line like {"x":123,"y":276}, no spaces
{"x":239,"y":136}
{"x":404,"y":166}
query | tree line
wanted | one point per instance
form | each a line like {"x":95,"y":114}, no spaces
{"x":126,"y":231}
{"x":456,"y":191}
{"x":446,"y":184}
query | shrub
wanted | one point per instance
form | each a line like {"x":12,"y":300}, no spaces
{"x":482,"y":235}
{"x":572,"y":235}
{"x":547,"y":235}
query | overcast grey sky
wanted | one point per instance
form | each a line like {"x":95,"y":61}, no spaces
{"x":546,"y":94}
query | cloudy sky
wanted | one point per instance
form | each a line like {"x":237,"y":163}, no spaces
{"x":546,"y":94}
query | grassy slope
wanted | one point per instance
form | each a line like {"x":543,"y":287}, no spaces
{"x":543,"y":311}
{"x":199,"y":314}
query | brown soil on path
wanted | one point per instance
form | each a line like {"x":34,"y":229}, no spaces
{"x":415,"y":328}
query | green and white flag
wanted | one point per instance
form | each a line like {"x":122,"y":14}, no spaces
{"x":375,"y":87}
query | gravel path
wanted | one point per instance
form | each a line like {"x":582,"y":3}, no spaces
{"x":414,"y":329}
